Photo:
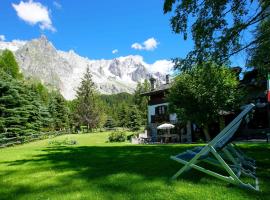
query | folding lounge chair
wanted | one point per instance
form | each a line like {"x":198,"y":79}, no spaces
{"x":221,"y":152}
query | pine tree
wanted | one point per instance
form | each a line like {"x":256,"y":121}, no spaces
{"x":46,"y":119}
{"x":87,"y":111}
{"x":9,"y":65}
{"x":140,"y":100}
{"x":58,"y":110}
{"x":134,"y":118}
{"x":19,"y":107}
{"x":109,"y":123}
{"x":24,"y":103}
{"x":113,"y":104}
{"x":123,"y":116}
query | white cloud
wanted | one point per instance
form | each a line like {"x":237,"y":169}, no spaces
{"x":148,"y":45}
{"x":162,"y":66}
{"x":115,"y":51}
{"x":57,"y":4}
{"x":34,"y":13}
{"x":2,"y":38}
{"x":137,"y":46}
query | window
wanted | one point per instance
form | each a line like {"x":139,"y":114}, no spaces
{"x":161,"y":110}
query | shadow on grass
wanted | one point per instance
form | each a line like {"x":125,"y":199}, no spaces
{"x":128,"y":166}
{"x":100,"y":161}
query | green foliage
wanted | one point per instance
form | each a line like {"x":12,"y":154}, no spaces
{"x":9,"y":65}
{"x":120,"y":106}
{"x":216,"y":27}
{"x":38,"y":88}
{"x":20,"y":109}
{"x":114,"y":103}
{"x":117,"y":136}
{"x":88,"y":109}
{"x":27,"y":106}
{"x":134,"y":118}
{"x":259,"y":53}
{"x":66,"y":141}
{"x":142,"y":101}
{"x":58,"y":110}
{"x":200,"y":94}
{"x":123,"y":114}
{"x":109,"y":123}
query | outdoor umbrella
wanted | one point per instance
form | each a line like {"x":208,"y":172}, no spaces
{"x":165,"y":126}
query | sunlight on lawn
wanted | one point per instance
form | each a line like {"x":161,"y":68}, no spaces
{"x":96,"y":169}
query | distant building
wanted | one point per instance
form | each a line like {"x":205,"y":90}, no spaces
{"x":256,"y":88}
{"x":158,"y":113}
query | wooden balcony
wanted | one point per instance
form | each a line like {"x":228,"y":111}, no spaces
{"x":160,"y":118}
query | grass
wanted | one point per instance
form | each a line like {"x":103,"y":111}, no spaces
{"x":93,"y":169}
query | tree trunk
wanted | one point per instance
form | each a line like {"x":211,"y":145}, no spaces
{"x":221,"y":123}
{"x":206,"y":133}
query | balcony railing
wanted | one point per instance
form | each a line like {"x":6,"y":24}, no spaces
{"x":160,"y":118}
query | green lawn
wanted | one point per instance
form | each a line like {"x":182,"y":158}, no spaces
{"x":94,"y":169}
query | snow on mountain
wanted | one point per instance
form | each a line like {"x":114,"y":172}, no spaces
{"x":40,"y":59}
{"x":14,"y":45}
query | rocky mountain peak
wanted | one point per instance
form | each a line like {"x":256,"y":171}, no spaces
{"x":63,"y":70}
{"x":43,"y":38}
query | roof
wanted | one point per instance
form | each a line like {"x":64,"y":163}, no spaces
{"x":159,"y":89}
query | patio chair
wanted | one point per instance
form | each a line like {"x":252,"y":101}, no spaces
{"x":222,"y":153}
{"x":144,"y":137}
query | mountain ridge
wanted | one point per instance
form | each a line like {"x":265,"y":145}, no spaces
{"x":39,"y":58}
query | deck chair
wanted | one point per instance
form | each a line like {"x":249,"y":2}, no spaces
{"x":222,"y":153}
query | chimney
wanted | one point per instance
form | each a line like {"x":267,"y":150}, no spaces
{"x":152,"y":82}
{"x":167,"y":79}
{"x":237,"y":70}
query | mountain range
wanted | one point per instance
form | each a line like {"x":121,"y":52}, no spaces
{"x":38,"y":58}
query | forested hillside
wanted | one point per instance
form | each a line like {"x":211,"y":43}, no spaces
{"x":28,"y":107}
{"x":127,"y":110}
{"x":116,"y":102}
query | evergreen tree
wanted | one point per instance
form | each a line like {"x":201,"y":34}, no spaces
{"x":140,"y":100}
{"x":123,"y":115}
{"x":46,"y":119}
{"x":109,"y":123}
{"x":113,"y":104}
{"x":73,"y":124}
{"x":9,"y":65}
{"x":19,"y":107}
{"x":24,"y":103}
{"x":134,"y":119}
{"x":87,"y":111}
{"x":58,"y":111}
{"x":39,"y":89}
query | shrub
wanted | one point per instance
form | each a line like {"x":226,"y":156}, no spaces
{"x":117,"y":136}
{"x":66,"y":141}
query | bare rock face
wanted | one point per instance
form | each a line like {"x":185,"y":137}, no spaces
{"x":38,"y":58}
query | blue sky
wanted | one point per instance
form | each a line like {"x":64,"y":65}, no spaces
{"x":96,"y":28}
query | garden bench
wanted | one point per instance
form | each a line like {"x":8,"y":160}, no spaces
{"x":222,"y":153}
